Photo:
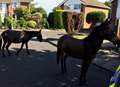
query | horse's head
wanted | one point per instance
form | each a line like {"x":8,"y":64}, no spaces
{"x":106,"y":32}
{"x":39,"y":36}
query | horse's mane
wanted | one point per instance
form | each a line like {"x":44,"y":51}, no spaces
{"x":102,"y":25}
{"x":98,"y":28}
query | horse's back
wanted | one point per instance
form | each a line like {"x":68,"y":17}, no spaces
{"x":11,"y":35}
{"x":0,"y":41}
{"x":71,"y":46}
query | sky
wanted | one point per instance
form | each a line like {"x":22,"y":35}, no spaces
{"x":48,"y":5}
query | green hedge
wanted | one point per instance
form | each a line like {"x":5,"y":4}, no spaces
{"x":50,"y":19}
{"x":22,"y":23}
{"x":58,"y":20}
{"x":9,"y":21}
{"x":0,"y":21}
{"x":65,"y":21}
{"x":45,"y":23}
{"x":31,"y":24}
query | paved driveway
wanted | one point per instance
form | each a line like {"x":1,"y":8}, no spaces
{"x":40,"y":69}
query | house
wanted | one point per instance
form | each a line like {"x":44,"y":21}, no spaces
{"x":84,"y":6}
{"x":7,"y":6}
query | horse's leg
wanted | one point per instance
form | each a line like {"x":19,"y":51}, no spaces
{"x":0,"y":43}
{"x":20,"y":48}
{"x":27,"y":48}
{"x":65,"y":58}
{"x":84,"y":69}
{"x":3,"y":54}
{"x":7,"y":46}
{"x":62,"y":65}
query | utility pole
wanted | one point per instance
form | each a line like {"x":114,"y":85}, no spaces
{"x":115,"y":16}
{"x":114,"y":10}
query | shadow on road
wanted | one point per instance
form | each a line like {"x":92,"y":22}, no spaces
{"x":40,"y":70}
{"x":36,"y":70}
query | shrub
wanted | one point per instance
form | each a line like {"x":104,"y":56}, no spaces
{"x":22,"y":23}
{"x":22,"y":12}
{"x":31,"y":24}
{"x":14,"y":24}
{"x":65,"y":21}
{"x":95,"y":17}
{"x":45,"y":23}
{"x":0,"y":21}
{"x":40,"y":15}
{"x":9,"y":21}
{"x":50,"y":20}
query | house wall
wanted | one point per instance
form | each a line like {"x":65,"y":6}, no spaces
{"x":10,"y":10}
{"x":5,"y":1}
{"x":91,"y":9}
{"x":7,"y":6}
{"x":24,"y":4}
{"x":3,"y":10}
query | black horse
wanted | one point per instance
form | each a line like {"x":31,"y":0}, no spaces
{"x":85,"y":49}
{"x":12,"y":36}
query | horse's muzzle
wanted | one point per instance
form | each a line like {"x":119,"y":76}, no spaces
{"x":41,"y":40}
{"x":116,"y":41}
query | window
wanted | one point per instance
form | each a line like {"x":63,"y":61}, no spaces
{"x":14,"y":5}
{"x":0,"y":7}
{"x":77,"y":6}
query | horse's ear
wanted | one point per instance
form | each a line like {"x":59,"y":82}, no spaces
{"x":40,"y":30}
{"x":108,"y":20}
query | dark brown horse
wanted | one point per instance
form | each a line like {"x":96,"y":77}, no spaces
{"x":85,"y":49}
{"x":12,"y":36}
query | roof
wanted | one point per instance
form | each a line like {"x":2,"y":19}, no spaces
{"x":95,"y":3}
{"x":90,"y":3}
{"x":9,"y":1}
{"x":66,"y":1}
{"x":25,"y":1}
{"x":5,"y":1}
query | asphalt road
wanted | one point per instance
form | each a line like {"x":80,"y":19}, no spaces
{"x":40,"y":69}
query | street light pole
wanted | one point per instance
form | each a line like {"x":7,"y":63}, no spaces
{"x":113,"y":13}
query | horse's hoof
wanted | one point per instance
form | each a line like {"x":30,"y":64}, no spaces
{"x":16,"y":54}
{"x":63,"y":72}
{"x":9,"y":54}
{"x":3,"y":56}
{"x":82,"y":83}
{"x":29,"y":54}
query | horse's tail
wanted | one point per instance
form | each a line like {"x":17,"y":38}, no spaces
{"x":59,"y":49}
{"x":0,"y":42}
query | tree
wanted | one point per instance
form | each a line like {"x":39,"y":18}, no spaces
{"x":22,"y":12}
{"x":108,"y":3}
{"x":50,"y":19}
{"x":58,"y":20}
{"x":9,"y":22}
{"x":39,"y":10}
{"x":22,"y":23}
{"x":0,"y":21}
{"x":95,"y":17}
{"x":31,"y":24}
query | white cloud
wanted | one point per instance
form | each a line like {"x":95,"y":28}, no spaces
{"x":103,"y":0}
{"x":48,"y":5}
